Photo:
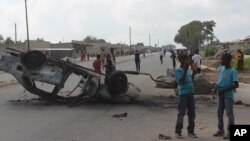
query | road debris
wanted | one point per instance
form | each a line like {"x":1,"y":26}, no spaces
{"x":164,"y":137}
{"x":123,"y":115}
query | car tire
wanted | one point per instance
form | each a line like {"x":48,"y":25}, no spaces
{"x":34,"y":60}
{"x":117,"y":83}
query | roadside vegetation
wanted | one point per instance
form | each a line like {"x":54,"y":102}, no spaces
{"x":210,"y":50}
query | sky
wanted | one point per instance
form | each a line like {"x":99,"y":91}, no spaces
{"x":66,"y":20}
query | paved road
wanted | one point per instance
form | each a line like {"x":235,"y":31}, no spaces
{"x":23,"y":118}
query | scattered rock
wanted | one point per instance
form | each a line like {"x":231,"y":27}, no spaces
{"x":239,"y":102}
{"x":247,"y":105}
{"x":166,"y":82}
{"x":123,"y":115}
{"x":164,"y":137}
{"x":202,"y":84}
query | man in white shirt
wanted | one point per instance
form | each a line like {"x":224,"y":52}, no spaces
{"x":161,"y":53}
{"x":196,"y":61}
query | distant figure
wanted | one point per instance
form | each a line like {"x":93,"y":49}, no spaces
{"x":161,"y":53}
{"x":113,"y":58}
{"x":103,"y":58}
{"x":109,"y":66}
{"x":173,"y":56}
{"x":144,"y":53}
{"x":84,"y":56}
{"x":240,"y":60}
{"x":196,"y":63}
{"x":60,"y":55}
{"x":97,"y":64}
{"x":137,"y":60}
{"x":88,"y":56}
{"x":164,"y":52}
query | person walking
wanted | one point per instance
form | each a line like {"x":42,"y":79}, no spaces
{"x":186,"y":97}
{"x":227,"y":83}
{"x":161,"y":54}
{"x":137,"y":60}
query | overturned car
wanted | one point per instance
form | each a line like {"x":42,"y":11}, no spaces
{"x":34,"y":67}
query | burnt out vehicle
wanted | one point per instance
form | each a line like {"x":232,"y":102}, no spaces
{"x":34,"y":67}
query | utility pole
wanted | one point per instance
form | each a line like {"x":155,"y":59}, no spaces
{"x":27,"y":25}
{"x":130,"y":36}
{"x":149,"y":40}
{"x":15,"y":35}
{"x":168,"y":37}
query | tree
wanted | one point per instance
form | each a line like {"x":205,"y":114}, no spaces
{"x":91,"y":39}
{"x":195,"y":33}
{"x":9,"y":41}
{"x":101,"y":41}
{"x":1,"y":38}
{"x":40,"y":39}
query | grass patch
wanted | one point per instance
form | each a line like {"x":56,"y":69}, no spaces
{"x":210,"y":50}
{"x":202,"y":54}
{"x":246,"y":64}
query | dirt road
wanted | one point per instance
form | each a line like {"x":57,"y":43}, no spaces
{"x":23,"y":117}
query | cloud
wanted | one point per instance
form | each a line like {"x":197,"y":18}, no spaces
{"x":110,"y":19}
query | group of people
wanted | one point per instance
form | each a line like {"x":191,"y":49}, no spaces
{"x":105,"y":62}
{"x":225,"y":88}
{"x":84,"y":56}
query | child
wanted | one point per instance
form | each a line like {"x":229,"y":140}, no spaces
{"x":97,"y":64}
{"x":186,"y":97}
{"x":226,"y":85}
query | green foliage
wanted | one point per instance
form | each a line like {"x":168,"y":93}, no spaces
{"x":9,"y":41}
{"x":202,"y":53}
{"x":247,"y":63}
{"x":195,"y":33}
{"x":1,"y":38}
{"x":246,"y":51}
{"x":91,"y":39}
{"x":210,"y":50}
{"x":40,"y":39}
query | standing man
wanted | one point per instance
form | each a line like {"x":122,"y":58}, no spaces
{"x":227,"y":83}
{"x":173,"y":56}
{"x":113,"y":58}
{"x":186,"y":97}
{"x":88,"y":56}
{"x":137,"y":60}
{"x":109,"y":66}
{"x":103,"y":58}
{"x":161,"y":53}
{"x":240,"y":60}
{"x":196,"y":63}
